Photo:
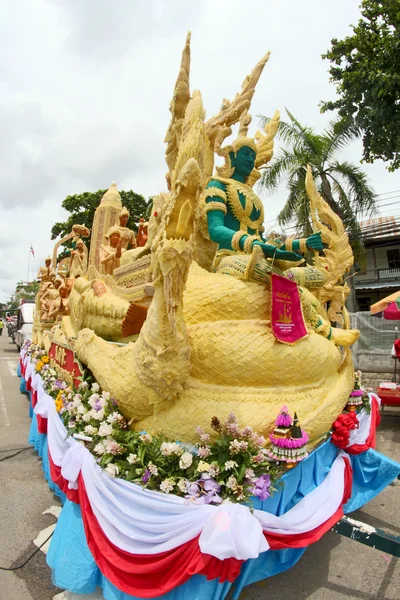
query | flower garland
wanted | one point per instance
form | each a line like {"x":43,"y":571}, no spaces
{"x":233,"y":467}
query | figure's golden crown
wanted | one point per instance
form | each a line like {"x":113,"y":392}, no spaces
{"x":242,"y":142}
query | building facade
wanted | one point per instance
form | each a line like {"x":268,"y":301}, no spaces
{"x":381,"y":275}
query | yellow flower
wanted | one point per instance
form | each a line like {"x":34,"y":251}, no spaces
{"x":45,"y":359}
{"x":39,"y":366}
{"x":203,"y":466}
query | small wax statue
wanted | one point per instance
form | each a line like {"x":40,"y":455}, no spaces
{"x":60,"y":307}
{"x":128,"y":239}
{"x":110,"y":253}
{"x":78,"y":260}
{"x":142,"y":234}
{"x":49,"y":297}
{"x":46,"y":273}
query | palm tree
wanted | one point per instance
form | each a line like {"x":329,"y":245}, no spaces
{"x":343,"y":185}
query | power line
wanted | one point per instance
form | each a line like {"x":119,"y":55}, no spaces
{"x":385,"y":193}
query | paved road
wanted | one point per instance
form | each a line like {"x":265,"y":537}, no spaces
{"x":335,"y":568}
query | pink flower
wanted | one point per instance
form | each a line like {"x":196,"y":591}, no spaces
{"x":203,"y":452}
{"x":247,"y":431}
{"x":232,"y":429}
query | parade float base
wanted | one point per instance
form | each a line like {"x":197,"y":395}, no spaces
{"x":74,"y":567}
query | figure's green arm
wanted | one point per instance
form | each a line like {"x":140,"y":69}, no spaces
{"x":216,"y":211}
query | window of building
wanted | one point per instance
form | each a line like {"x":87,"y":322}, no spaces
{"x":364,"y":304}
{"x":393,"y":256}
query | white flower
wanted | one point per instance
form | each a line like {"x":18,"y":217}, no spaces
{"x":183,"y":485}
{"x":99,"y":415}
{"x":235,"y":447}
{"x":230,"y":464}
{"x":105,"y":429}
{"x":99,"y":448}
{"x":185,"y":460}
{"x":93,"y":399}
{"x":113,"y":447}
{"x":231,"y":483}
{"x":83,"y":385}
{"x":77,"y":401}
{"x":167,"y":486}
{"x":169,"y":448}
{"x":112,"y":470}
{"x":106,"y":396}
{"x":249,"y":474}
{"x":95,"y":387}
{"x":214,"y":470}
{"x":145,"y":438}
{"x":82,"y":410}
{"x":87,"y":416}
{"x":132,"y":459}
{"x":90,"y":429}
{"x":113,"y":417}
{"x":152,"y":468}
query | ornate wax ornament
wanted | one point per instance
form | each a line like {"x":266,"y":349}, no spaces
{"x":262,"y":144}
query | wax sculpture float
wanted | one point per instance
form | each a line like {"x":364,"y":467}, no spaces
{"x":198,"y":326}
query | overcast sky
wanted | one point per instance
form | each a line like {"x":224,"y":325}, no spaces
{"x":85,"y":87}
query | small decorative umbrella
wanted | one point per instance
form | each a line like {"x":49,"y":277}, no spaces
{"x":384,"y":303}
{"x":392,"y":311}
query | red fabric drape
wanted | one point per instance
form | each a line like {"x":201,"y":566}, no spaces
{"x":34,"y":398}
{"x":148,"y":576}
{"x":28,"y":384}
{"x":58,"y":479}
{"x":279,"y":541}
{"x":42,"y":424}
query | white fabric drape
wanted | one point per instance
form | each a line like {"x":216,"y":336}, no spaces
{"x":142,"y":521}
{"x":360,"y":435}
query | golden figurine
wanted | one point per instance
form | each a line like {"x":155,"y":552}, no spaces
{"x":49,"y":297}
{"x":79,"y":259}
{"x":110,"y":254}
{"x":46,"y":273}
{"x":128,"y":238}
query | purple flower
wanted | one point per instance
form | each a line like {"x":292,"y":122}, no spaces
{"x":113,"y":402}
{"x":58,"y":384}
{"x":193,"y":490}
{"x":97,"y":406}
{"x":146,"y":476}
{"x":261,"y":486}
{"x":210,"y":485}
{"x":209,"y":498}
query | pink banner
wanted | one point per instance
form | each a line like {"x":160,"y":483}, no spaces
{"x":287,"y":319}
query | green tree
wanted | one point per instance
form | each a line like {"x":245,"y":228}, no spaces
{"x":343,"y":185}
{"x":83,"y":206}
{"x":365,"y":68}
{"x":23,"y":292}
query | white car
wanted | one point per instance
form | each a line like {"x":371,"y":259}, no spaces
{"x":26,"y":314}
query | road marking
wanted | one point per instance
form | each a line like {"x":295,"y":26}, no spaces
{"x":12,"y":367}
{"x":42,"y":536}
{"x":3,"y":407}
{"x":53,"y":510}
